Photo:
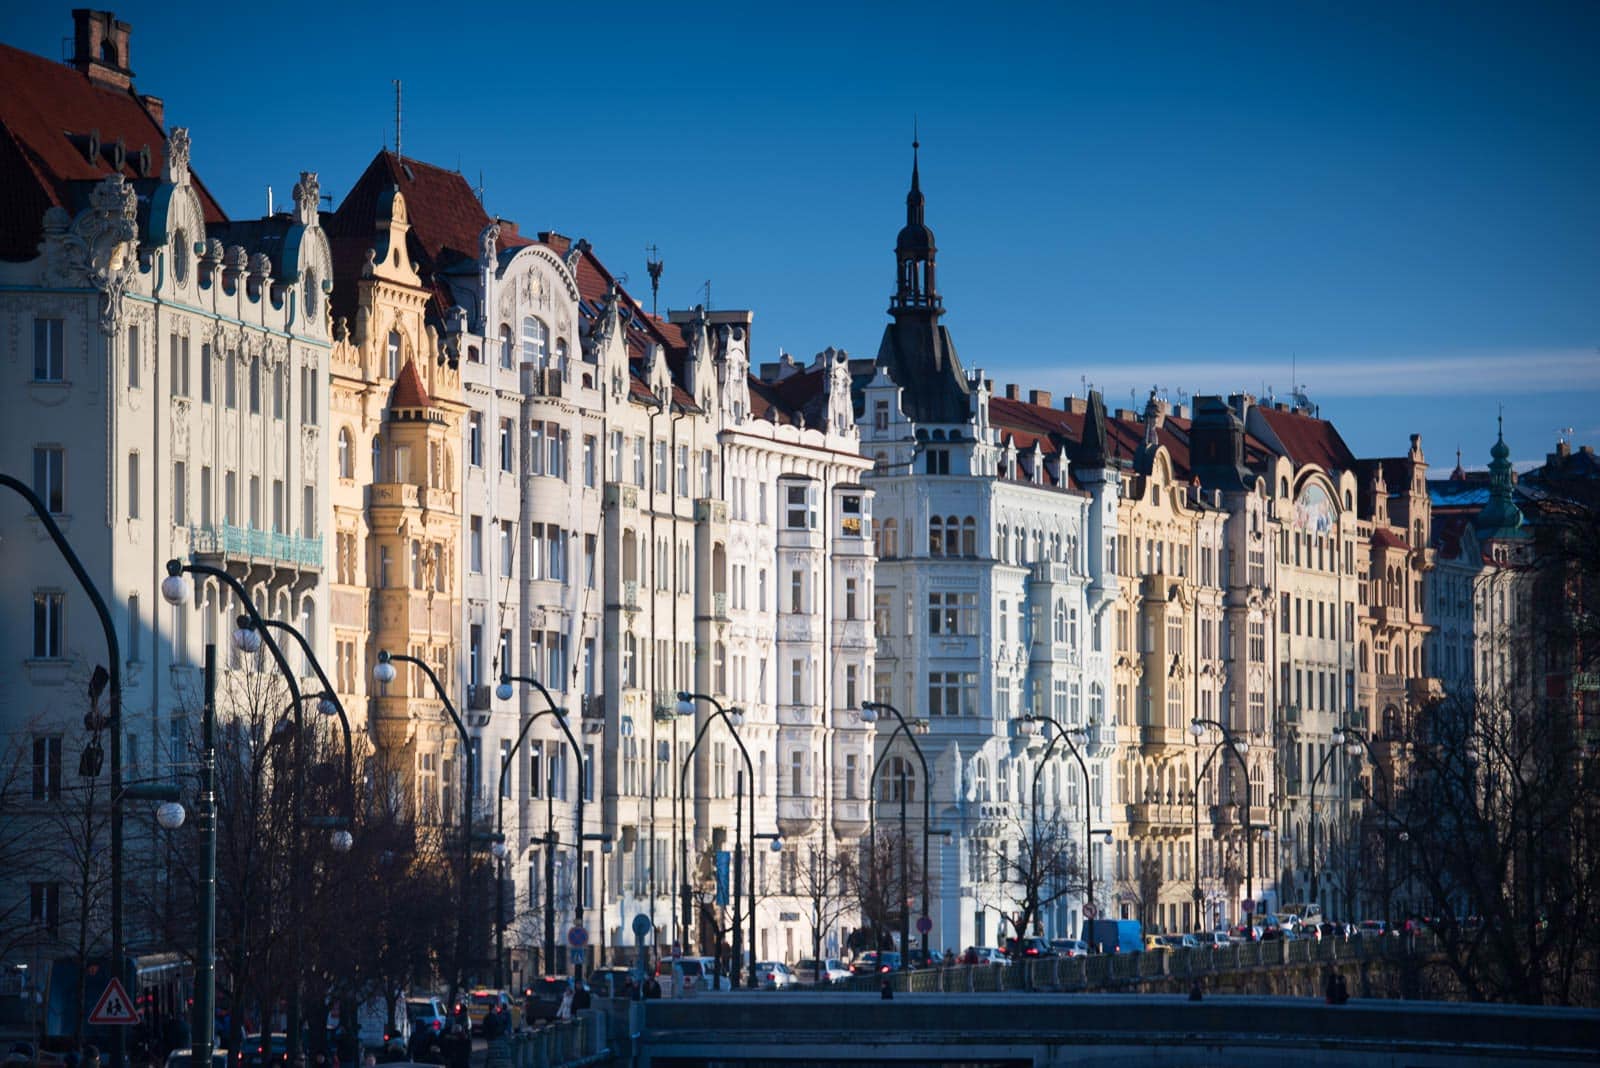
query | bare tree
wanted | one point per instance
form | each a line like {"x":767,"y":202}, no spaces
{"x":825,"y":881}
{"x":887,"y":878}
{"x":1041,"y":866}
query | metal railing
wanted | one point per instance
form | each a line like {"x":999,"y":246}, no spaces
{"x":580,"y":1040}
{"x":226,"y":540}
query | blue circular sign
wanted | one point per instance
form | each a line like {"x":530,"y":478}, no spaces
{"x":642,"y":925}
{"x":577,"y":938}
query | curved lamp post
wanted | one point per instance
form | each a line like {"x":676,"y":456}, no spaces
{"x":734,"y":718}
{"x":1073,"y":738}
{"x":383,"y":672}
{"x":1238,"y":747}
{"x":1333,"y":750}
{"x":504,"y":692}
{"x":176,"y":589}
{"x":328,"y":704}
{"x":113,"y":719}
{"x":870,"y":710}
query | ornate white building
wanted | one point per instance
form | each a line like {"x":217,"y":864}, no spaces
{"x":169,"y":384}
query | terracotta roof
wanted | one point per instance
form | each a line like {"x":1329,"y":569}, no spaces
{"x":1387,"y":538}
{"x":1308,"y":440}
{"x":47,"y":111}
{"x":408,"y":391}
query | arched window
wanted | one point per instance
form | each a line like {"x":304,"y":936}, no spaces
{"x":969,"y":536}
{"x":508,"y":347}
{"x":1061,"y":621}
{"x":1002,"y":782}
{"x":952,"y":535}
{"x":935,"y":536}
{"x":1097,"y":703}
{"x":1363,"y":657}
{"x":346,"y":460}
{"x":889,"y":539}
{"x":561,"y":356}
{"x":535,"y":338}
{"x":1072,"y":626}
{"x":980,"y":779}
{"x":377,"y":459}
{"x":392,"y":355}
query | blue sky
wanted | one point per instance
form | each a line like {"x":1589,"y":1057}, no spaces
{"x":1397,"y":200}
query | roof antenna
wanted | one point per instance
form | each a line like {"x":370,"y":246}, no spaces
{"x":708,"y":294}
{"x":397,"y":117}
{"x":653,"y":264}
{"x":480,"y":186}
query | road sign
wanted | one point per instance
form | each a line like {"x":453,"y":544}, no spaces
{"x":1090,"y":912}
{"x":114,"y":1006}
{"x":641,"y":925}
{"x":577,"y":938}
{"x":924,"y":925}
{"x":1248,"y":906}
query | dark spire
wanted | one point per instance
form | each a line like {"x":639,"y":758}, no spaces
{"x":915,"y":253}
{"x":1500,"y":518}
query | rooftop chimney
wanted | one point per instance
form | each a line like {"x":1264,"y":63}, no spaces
{"x":100,"y":47}
{"x":1040,"y":397}
{"x":1012,"y":392}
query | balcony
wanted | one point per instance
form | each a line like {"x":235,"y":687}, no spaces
{"x":711,"y":510}
{"x":665,"y":705}
{"x":849,"y":818}
{"x":1152,"y":816}
{"x":592,"y":706}
{"x":798,"y":816}
{"x":1225,"y":817}
{"x":544,"y":382}
{"x":255,"y":546}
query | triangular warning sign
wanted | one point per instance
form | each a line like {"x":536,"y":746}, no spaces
{"x":114,"y":1006}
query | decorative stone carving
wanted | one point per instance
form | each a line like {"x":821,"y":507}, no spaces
{"x":175,"y":168}
{"x":97,"y":248}
{"x":307,"y":197}
{"x":488,"y":244}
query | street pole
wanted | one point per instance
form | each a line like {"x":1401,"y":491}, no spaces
{"x":113,"y":721}
{"x":1062,"y":734}
{"x":1238,"y":748}
{"x":876,"y":707}
{"x":905,"y":880}
{"x":384,"y":673}
{"x":205,"y":979}
{"x":738,"y":872}
{"x":734,"y":718}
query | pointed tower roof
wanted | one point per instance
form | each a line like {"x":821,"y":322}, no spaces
{"x":1500,"y":518}
{"x":916,"y":351}
{"x":408,"y":391}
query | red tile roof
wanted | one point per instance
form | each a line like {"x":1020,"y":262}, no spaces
{"x":47,"y":111}
{"x":1309,"y":440}
{"x":1387,"y":538}
{"x":408,"y":391}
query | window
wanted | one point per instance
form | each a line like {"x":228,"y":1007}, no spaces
{"x":308,"y":512}
{"x":505,"y":445}
{"x":590,"y":447}
{"x":205,"y":496}
{"x":392,"y":356}
{"x":660,"y":483}
{"x":135,"y":644}
{"x":508,"y":346}
{"x":49,"y":350}
{"x":801,"y":511}
{"x":47,"y":767}
{"x":133,"y":485}
{"x":683,"y":470}
{"x":230,"y":381}
{"x":205,"y":374}
{"x":475,"y":544}
{"x":280,"y":390}
{"x":48,"y":461}
{"x":47,"y":630}
{"x":952,"y":613}
{"x":44,"y":906}
{"x":880,"y":415}
{"x":346,"y":459}
{"x":952,"y":693}
{"x":705,"y":473}
{"x":535,"y":769}
{"x":255,"y":385}
{"x":937,"y":462}
{"x":180,"y":494}
{"x":475,"y":439}
{"x":277,"y":506}
{"x":535,"y":336}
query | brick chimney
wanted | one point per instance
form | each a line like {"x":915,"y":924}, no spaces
{"x":1012,"y":391}
{"x":1041,"y":397}
{"x":100,"y":47}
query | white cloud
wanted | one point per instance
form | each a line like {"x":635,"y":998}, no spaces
{"x":1502,"y":373}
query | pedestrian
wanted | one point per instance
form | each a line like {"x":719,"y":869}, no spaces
{"x":652,"y":988}
{"x":1330,"y":984}
{"x":580,"y":992}
{"x":1194,"y":991}
{"x":949,"y":957}
{"x":1341,"y":991}
{"x":564,"y":1012}
{"x":886,"y":989}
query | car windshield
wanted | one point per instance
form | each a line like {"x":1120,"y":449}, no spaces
{"x":485,"y":999}
{"x":691,"y":967}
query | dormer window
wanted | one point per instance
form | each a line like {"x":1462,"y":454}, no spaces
{"x":880,"y":415}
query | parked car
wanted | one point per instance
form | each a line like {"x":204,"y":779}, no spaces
{"x":874,"y":962}
{"x":258,"y":1051}
{"x":1154,"y":944}
{"x":1069,"y":947}
{"x":1215,"y":939}
{"x":182,"y":1058}
{"x":821,"y":971}
{"x":541,"y":999}
{"x":1179,"y":941}
{"x":917,"y":957}
{"x":984,"y":955}
{"x":481,"y":1003}
{"x":773,"y":975}
{"x":702,"y":970}
{"x":1028,"y":948}
{"x":428,"y":1014}
{"x":609,"y":982}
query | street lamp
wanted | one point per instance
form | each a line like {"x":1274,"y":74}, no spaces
{"x":1238,"y":747}
{"x":605,"y":851}
{"x":870,"y":710}
{"x":1333,"y":750}
{"x":383,"y":671}
{"x":734,"y":718}
{"x":328,"y":703}
{"x":113,"y":720}
{"x":176,"y":589}
{"x":504,"y":692}
{"x":1073,"y":738}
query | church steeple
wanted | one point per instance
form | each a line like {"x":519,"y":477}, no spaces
{"x":914,"y":251}
{"x":1500,"y":518}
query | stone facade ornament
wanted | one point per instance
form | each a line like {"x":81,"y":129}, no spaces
{"x":175,"y":167}
{"x":307,"y":198}
{"x":97,"y":249}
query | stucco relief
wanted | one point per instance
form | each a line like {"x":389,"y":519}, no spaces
{"x":97,"y":248}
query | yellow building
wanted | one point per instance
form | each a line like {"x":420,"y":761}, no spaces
{"x":396,"y":414}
